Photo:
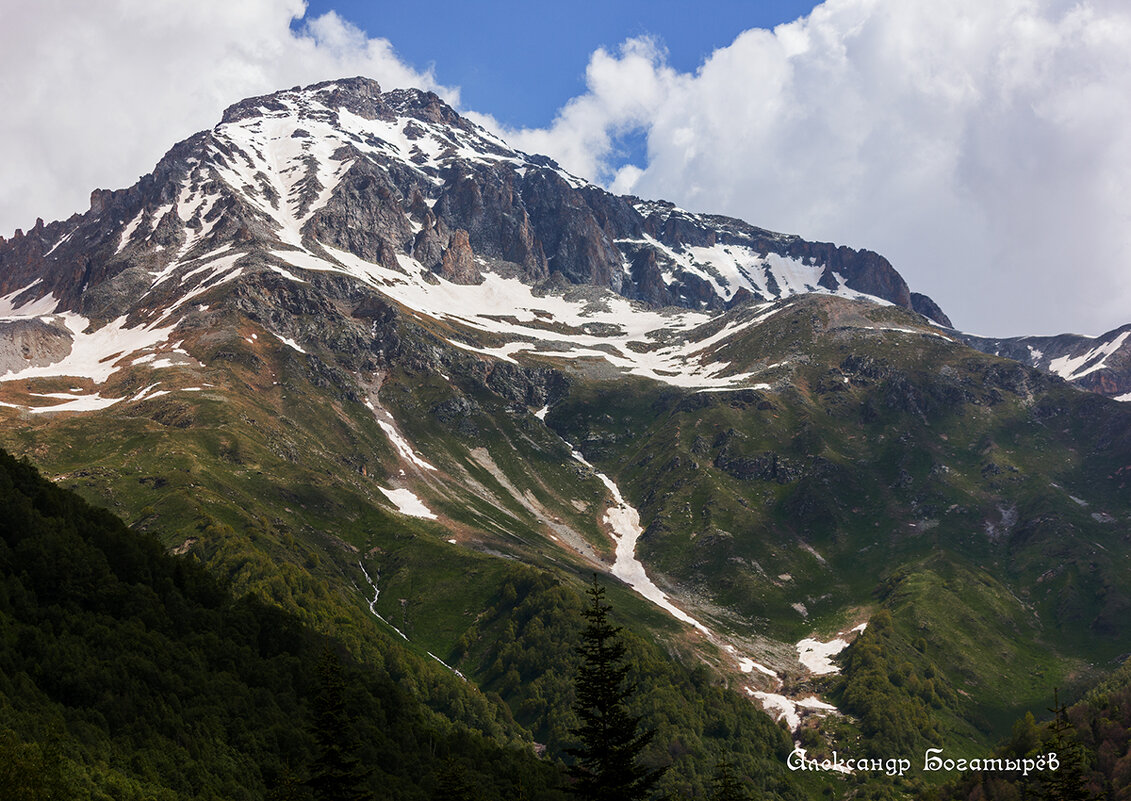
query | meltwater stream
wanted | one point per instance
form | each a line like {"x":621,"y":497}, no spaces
{"x":373,"y":603}
{"x":373,"y":609}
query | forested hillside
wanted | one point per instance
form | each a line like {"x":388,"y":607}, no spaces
{"x":129,"y":674}
{"x":1091,"y":739}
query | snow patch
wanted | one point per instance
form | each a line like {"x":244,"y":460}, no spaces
{"x":630,"y":337}
{"x":127,"y":232}
{"x":290,"y":343}
{"x":401,"y":445}
{"x":624,"y":520}
{"x":86,"y":403}
{"x":408,"y":503}
{"x":817,"y":656}
{"x":30,"y":308}
{"x":1072,"y":368}
{"x":779,"y":707}
{"x":98,"y":354}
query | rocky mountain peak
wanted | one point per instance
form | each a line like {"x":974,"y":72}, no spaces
{"x":401,"y":181}
{"x":360,"y":96}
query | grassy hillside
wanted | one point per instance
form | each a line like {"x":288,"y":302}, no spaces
{"x":879,"y":466}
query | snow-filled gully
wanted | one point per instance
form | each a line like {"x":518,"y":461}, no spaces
{"x":624,"y":521}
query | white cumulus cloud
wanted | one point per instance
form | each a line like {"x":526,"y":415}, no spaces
{"x":985,"y":148}
{"x":94,"y":93}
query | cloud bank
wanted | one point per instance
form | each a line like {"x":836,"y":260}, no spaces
{"x":94,"y":93}
{"x":985,"y":148}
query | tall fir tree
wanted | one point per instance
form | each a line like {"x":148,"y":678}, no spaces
{"x":1069,"y":782}
{"x":336,"y":773}
{"x":606,"y":766}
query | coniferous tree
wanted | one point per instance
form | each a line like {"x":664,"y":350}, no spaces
{"x":727,"y":786}
{"x":336,"y":773}
{"x":1069,"y":782}
{"x":606,"y":767}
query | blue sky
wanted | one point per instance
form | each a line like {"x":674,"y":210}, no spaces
{"x":983,"y":147}
{"x":521,"y":61}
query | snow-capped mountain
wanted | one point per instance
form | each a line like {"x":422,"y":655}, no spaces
{"x":398,"y":191}
{"x":363,"y":357}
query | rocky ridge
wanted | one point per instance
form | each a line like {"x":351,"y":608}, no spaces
{"x":1099,"y":364}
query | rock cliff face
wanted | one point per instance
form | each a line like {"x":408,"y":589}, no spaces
{"x":400,"y":175}
{"x":31,"y":343}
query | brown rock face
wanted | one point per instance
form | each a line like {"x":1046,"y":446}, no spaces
{"x":364,"y":216}
{"x":573,"y":238}
{"x":428,"y":247}
{"x":458,"y":262}
{"x":650,"y":286}
{"x":490,"y":207}
{"x":928,"y":308}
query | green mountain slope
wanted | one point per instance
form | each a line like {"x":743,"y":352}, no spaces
{"x":374,"y":369}
{"x":1090,"y":739}
{"x":127,"y":673}
{"x":882,"y":464}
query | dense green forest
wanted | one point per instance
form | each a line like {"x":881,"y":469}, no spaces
{"x":1092,"y":740}
{"x":129,"y":674}
{"x":895,"y":700}
{"x":697,"y":722}
{"x":126,"y":673}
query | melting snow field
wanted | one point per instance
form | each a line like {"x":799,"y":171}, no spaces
{"x":93,"y":355}
{"x":629,"y":336}
{"x":83,"y":403}
{"x":782,"y":708}
{"x":408,"y":503}
{"x":748,"y":665}
{"x":624,"y":520}
{"x":399,"y":443}
{"x":402,"y":446}
{"x":1071,"y":368}
{"x":817,"y":656}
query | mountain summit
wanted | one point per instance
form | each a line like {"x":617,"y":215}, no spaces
{"x":400,"y":180}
